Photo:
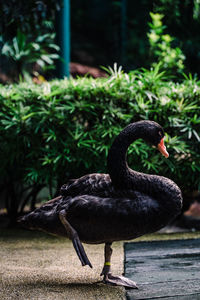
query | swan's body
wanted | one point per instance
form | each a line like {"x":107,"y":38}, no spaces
{"x":121,"y":205}
{"x":100,"y":213}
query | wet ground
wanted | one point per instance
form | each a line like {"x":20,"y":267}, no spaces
{"x":164,"y":269}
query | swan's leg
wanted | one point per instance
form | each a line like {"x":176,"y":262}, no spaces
{"x":73,"y":236}
{"x":108,"y":278}
{"x":107,"y":264}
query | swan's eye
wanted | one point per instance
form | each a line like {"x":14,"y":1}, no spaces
{"x":160,"y":133}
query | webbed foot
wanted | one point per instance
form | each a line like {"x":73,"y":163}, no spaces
{"x":119,"y":280}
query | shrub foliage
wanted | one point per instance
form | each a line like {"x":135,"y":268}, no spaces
{"x":63,"y":129}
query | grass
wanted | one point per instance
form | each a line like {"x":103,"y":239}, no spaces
{"x":38,"y":266}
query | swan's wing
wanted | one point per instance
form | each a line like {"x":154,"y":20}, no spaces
{"x":89,"y":205}
{"x":97,"y":185}
{"x":92,"y":184}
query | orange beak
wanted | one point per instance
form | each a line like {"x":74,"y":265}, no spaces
{"x":162,"y":148}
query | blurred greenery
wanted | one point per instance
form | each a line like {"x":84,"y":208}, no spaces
{"x":170,"y":59}
{"x":115,"y":37}
{"x":27,"y":37}
{"x":104,"y":32}
{"x":28,"y":16}
{"x":23,"y":54}
{"x":63,"y":129}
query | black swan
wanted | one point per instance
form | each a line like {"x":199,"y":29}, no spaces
{"x":121,"y":205}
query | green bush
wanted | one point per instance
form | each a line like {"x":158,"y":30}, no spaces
{"x":171,"y":59}
{"x":64,"y":129}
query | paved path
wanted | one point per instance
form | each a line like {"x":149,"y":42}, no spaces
{"x":35,"y":266}
{"x":164,"y":269}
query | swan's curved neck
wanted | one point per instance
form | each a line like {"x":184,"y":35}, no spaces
{"x":121,"y":175}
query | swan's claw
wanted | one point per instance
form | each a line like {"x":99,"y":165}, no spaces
{"x":119,"y":280}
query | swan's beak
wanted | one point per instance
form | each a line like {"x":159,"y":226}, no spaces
{"x":162,"y":148}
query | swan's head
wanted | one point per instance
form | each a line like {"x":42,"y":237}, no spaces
{"x":154,"y":134}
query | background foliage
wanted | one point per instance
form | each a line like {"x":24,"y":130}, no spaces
{"x":117,"y":31}
{"x":27,"y":37}
{"x":171,"y":59}
{"x":63,"y":129}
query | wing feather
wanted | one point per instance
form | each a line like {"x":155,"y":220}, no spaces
{"x":92,"y":184}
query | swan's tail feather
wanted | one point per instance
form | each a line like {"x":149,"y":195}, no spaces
{"x":30,"y":221}
{"x":43,"y":220}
